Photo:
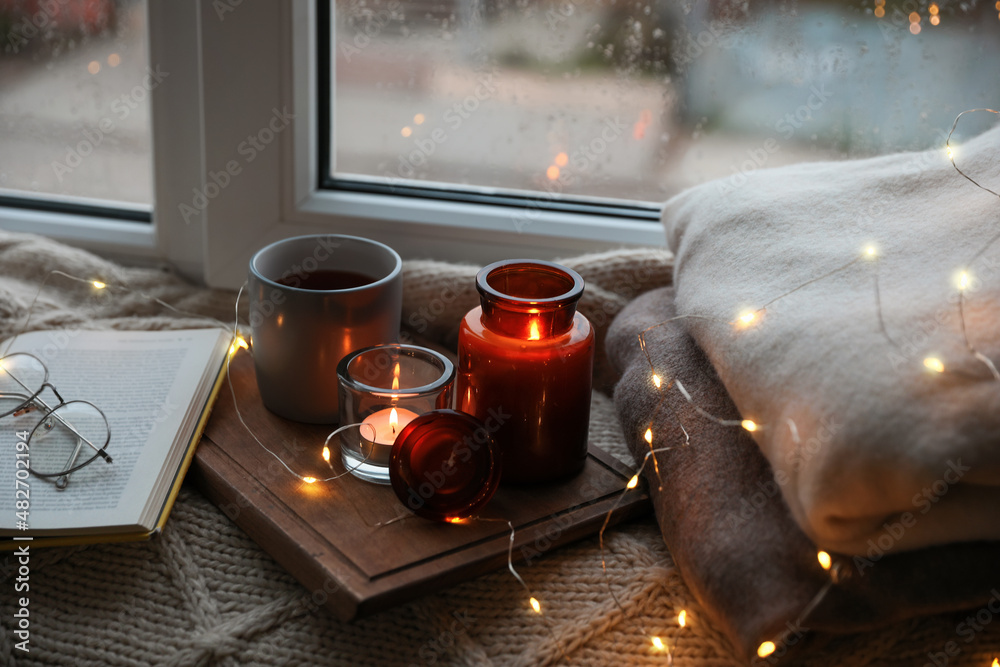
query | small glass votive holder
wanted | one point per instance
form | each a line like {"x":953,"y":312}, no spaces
{"x":381,"y":390}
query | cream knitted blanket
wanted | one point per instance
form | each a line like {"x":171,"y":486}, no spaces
{"x":204,"y":594}
{"x":880,"y":423}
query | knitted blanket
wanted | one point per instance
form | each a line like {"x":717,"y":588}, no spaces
{"x":204,"y":594}
{"x":719,"y":504}
{"x":859,"y":300}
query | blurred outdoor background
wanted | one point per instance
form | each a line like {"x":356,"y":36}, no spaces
{"x":621,"y":99}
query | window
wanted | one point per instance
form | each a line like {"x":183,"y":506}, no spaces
{"x":274,"y":119}
{"x":584,"y":99}
{"x":74,"y":105}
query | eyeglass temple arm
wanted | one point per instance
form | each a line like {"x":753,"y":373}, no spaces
{"x":63,"y":480}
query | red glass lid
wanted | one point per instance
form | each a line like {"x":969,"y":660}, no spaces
{"x":444,"y":466}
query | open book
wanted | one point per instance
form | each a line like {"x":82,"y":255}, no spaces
{"x":156,"y":389}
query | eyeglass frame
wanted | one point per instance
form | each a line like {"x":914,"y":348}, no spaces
{"x":35,"y":402}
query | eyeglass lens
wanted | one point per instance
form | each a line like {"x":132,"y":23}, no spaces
{"x":21,"y":377}
{"x":57,"y":442}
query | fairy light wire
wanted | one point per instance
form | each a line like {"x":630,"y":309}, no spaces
{"x":631,"y":485}
{"x":746,"y":319}
{"x":768,"y":647}
{"x":951,"y":151}
{"x":308,"y":479}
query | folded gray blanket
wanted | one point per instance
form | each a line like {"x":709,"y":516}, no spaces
{"x":729,"y":530}
{"x":853,"y":363}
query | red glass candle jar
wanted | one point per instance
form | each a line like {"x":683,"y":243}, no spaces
{"x":526,"y":361}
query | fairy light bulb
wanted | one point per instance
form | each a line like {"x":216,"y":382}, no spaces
{"x":656,"y":380}
{"x":951,"y":153}
{"x":747,"y":318}
{"x":749,"y":425}
{"x":536,"y":605}
{"x":934,"y":364}
{"x":238,"y":343}
{"x":682,"y":618}
{"x":765,"y":649}
{"x":98,"y":284}
{"x":963,"y":280}
{"x":824,"y":559}
{"x":309,"y":480}
{"x":658,"y":644}
{"x":648,"y":436}
{"x":871,"y":252}
{"x":632,"y":483}
{"x":326,"y":453}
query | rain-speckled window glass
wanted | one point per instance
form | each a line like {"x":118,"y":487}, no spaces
{"x":74,"y":101}
{"x":637,"y":99}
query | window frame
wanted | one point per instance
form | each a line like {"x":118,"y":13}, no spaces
{"x":250,"y":63}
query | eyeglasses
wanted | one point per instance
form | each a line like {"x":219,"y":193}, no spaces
{"x":60,"y":439}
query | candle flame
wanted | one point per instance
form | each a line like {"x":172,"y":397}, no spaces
{"x":658,"y":644}
{"x":682,"y":618}
{"x":536,"y":605}
{"x":393,"y":419}
{"x":533,"y":333}
{"x":996,"y":662}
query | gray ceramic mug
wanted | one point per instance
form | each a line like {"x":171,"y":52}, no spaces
{"x":313,"y":300}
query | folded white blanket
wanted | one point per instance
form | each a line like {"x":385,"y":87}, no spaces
{"x":874,"y":450}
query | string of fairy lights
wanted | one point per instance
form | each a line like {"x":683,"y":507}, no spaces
{"x":753,"y":317}
{"x":743,"y":320}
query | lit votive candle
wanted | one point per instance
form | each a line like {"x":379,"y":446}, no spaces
{"x":382,"y":389}
{"x":384,"y":426}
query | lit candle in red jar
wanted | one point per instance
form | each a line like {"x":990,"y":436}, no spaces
{"x":526,"y":360}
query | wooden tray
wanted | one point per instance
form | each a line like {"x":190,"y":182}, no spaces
{"x":325,"y":534}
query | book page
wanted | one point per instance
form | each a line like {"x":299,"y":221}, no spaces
{"x":144,"y":382}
